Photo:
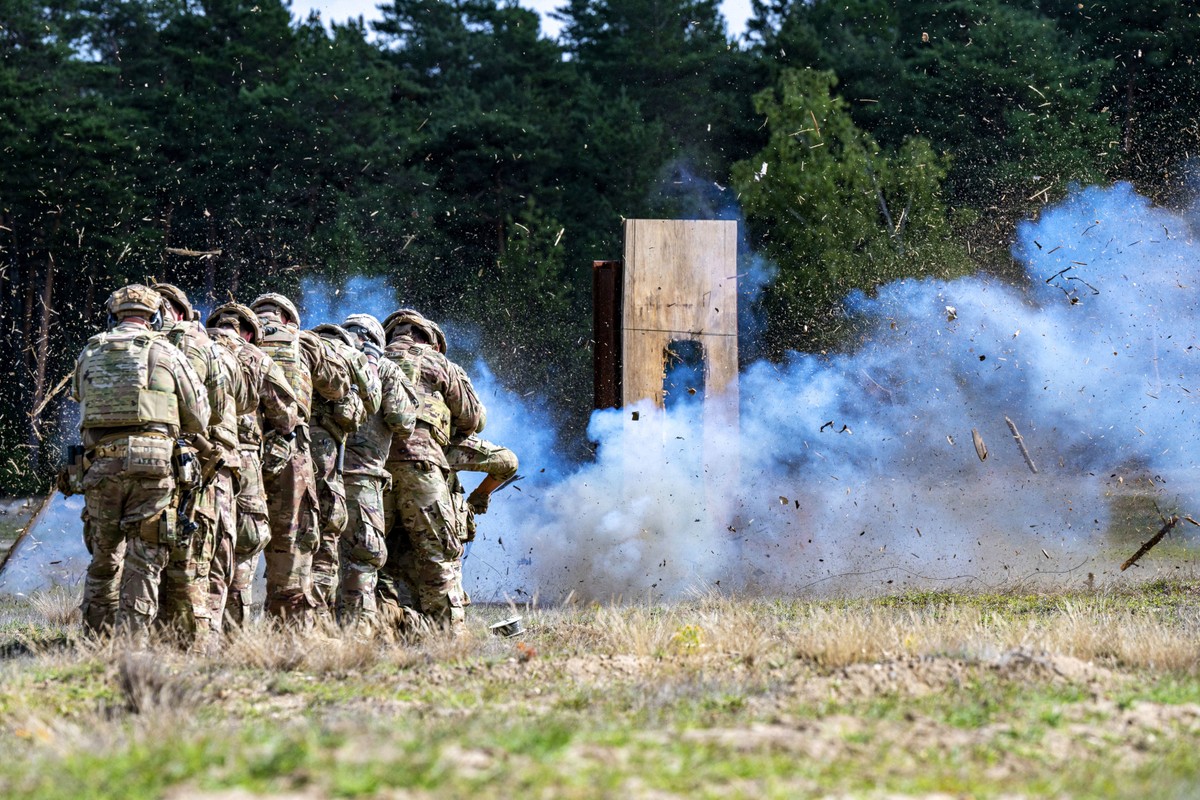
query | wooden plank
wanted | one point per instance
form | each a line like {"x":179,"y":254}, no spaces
{"x":680,"y":283}
{"x":26,"y":516}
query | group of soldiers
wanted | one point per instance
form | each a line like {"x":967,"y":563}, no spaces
{"x":333,"y":452}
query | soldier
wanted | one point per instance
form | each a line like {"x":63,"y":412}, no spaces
{"x":418,"y":508}
{"x":474,"y":454}
{"x":270,"y":403}
{"x":213,"y":507}
{"x":287,"y":465}
{"x":332,"y":423}
{"x":363,"y":549}
{"x":138,"y":393}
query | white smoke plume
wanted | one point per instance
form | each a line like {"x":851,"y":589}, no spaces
{"x":858,"y":471}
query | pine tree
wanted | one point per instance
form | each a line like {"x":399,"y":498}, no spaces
{"x":834,"y":212}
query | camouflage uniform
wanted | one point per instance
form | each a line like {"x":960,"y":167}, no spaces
{"x":190,"y":612}
{"x":268,"y":399}
{"x":287,"y":466}
{"x":425,"y":535}
{"x":138,"y":393}
{"x":473,"y":454}
{"x":332,"y":423}
{"x":363,"y":549}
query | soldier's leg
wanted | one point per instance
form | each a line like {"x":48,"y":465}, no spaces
{"x":222,"y":565}
{"x":331,"y":499}
{"x":183,"y":598}
{"x":465,"y":518}
{"x":363,"y":549}
{"x":253,"y":534}
{"x":294,"y":535}
{"x":396,"y":586}
{"x":427,"y":515}
{"x":151,"y":532}
{"x":105,"y":540}
{"x":240,"y":598}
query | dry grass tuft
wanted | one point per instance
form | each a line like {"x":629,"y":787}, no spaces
{"x":149,"y":686}
{"x":634,"y":630}
{"x":58,"y":606}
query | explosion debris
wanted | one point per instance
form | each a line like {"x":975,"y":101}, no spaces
{"x":1153,"y":540}
{"x":1012,"y":426}
{"x":980,"y":447}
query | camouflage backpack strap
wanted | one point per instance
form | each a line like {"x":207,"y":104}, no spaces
{"x":410,"y":365}
{"x":432,"y":409}
{"x":152,"y":360}
{"x":282,"y":344}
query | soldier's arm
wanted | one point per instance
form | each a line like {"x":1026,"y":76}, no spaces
{"x":370,"y":389}
{"x":209,"y":373}
{"x":330,"y":375}
{"x":201,"y":361}
{"x":276,"y":400}
{"x":239,"y":386}
{"x":465,"y":407}
{"x":194,"y":409}
{"x":399,"y":400}
{"x":77,"y":380}
{"x":461,"y":374}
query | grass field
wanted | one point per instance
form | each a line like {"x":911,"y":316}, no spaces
{"x":919,"y":695}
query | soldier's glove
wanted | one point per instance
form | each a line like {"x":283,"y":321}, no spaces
{"x":478,"y":501}
{"x":371,"y":349}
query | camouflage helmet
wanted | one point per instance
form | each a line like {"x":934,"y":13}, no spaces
{"x":134,"y":299}
{"x":330,"y":330}
{"x":236,"y":315}
{"x":280,"y":302}
{"x":440,"y":335}
{"x":369,"y":324}
{"x":407,"y":319}
{"x":178,"y":298}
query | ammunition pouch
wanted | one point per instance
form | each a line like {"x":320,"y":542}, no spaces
{"x":149,"y":456}
{"x":434,"y":414}
{"x":277,"y":452}
{"x":162,"y":529}
{"x":348,"y":413}
{"x":470,"y":527}
{"x":336,"y":432}
{"x":187,"y":467}
{"x":70,"y":474}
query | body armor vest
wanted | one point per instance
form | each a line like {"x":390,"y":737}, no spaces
{"x":282,"y":344}
{"x":431,"y":406}
{"x":117,"y":372}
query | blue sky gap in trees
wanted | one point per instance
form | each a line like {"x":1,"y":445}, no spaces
{"x":736,"y":12}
